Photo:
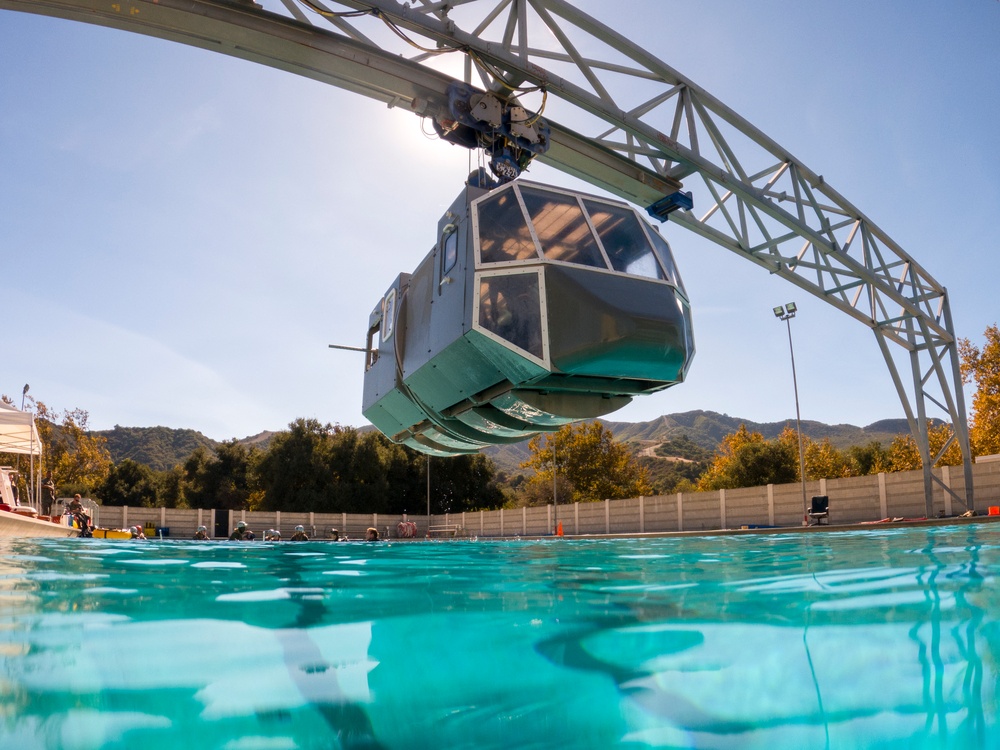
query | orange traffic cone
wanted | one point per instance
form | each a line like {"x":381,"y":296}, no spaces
{"x":559,"y":529}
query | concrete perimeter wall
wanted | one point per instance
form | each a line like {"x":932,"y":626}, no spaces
{"x":853,"y":500}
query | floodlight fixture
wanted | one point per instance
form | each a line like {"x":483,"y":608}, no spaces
{"x":784,"y":312}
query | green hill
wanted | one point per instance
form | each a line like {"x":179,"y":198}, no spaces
{"x":160,"y":448}
{"x":163,"y":448}
{"x":707,"y":428}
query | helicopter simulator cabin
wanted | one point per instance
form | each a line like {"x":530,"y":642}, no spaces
{"x":537,"y":307}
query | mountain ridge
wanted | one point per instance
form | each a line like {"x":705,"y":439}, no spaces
{"x":708,"y":428}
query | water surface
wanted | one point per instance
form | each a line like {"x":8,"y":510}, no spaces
{"x":882,"y":638}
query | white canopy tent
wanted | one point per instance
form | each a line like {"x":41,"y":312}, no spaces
{"x":18,"y":433}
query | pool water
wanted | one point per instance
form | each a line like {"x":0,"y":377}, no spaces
{"x":882,"y":638}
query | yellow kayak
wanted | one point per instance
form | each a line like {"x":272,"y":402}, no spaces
{"x":112,"y":534}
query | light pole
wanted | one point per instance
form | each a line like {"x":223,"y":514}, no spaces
{"x":555,"y":492}
{"x":31,"y":466}
{"x":786,"y":313}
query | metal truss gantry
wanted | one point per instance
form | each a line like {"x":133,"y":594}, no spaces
{"x":620,"y":119}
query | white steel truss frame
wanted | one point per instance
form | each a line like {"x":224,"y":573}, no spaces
{"x":639,"y":131}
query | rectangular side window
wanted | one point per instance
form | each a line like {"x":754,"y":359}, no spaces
{"x":388,"y":315}
{"x":449,"y":249}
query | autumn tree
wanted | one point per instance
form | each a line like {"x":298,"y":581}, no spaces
{"x":746,"y":459}
{"x":717,"y":476}
{"x":77,"y":460}
{"x":597,"y":466}
{"x":904,"y":455}
{"x":982,"y":367}
{"x":870,"y":458}
{"x":825,"y":461}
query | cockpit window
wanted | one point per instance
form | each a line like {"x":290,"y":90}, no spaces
{"x":526,"y":223}
{"x":510,"y":307}
{"x":624,"y":241}
{"x":561,"y":228}
{"x":503,"y":232}
{"x":666,"y":257}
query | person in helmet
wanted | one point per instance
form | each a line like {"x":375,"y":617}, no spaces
{"x":81,"y":517}
{"x":201,"y":534}
{"x":300,"y":534}
{"x":136,"y":532}
{"x":241,"y":533}
{"x":272,"y":535}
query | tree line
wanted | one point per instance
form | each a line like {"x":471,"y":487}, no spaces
{"x":334,"y":469}
{"x":747,"y":459}
{"x":310,"y":467}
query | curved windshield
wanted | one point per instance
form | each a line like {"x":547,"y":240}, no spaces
{"x":623,"y":239}
{"x":503,"y":230}
{"x":527,"y":223}
{"x":562,"y":228}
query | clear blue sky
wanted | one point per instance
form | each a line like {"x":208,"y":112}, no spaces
{"x":183,"y":233}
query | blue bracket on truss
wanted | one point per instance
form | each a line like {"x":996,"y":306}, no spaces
{"x":667,"y":205}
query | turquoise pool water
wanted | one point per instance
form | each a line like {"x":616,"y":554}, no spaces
{"x":883,"y":638}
